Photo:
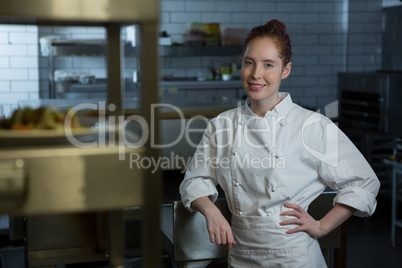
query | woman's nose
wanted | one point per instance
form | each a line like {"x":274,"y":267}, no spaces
{"x":256,"y":72}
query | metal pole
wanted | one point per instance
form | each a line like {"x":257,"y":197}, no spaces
{"x":115,"y":65}
{"x":116,"y":239}
{"x":394,"y":191}
{"x":52,"y":85}
{"x":152,"y":185}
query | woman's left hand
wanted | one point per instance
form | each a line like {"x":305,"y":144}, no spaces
{"x":306,"y":223}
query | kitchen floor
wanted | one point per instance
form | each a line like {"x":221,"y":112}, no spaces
{"x":369,"y":239}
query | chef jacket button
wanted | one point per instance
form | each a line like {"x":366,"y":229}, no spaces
{"x":242,"y":123}
{"x":277,"y":156}
{"x":269,"y":213}
{"x":236,"y":184}
{"x":282,"y":123}
{"x":273,"y":188}
{"x":240,"y":212}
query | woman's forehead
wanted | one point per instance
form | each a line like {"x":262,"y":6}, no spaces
{"x":262,"y":46}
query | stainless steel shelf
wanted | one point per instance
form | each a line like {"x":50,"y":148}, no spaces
{"x":65,"y":179}
{"x":185,"y":51}
{"x":76,"y":48}
{"x":194,"y":84}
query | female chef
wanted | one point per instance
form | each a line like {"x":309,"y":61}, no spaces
{"x":272,"y":158}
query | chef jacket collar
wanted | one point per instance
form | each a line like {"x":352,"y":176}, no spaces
{"x":280,"y":109}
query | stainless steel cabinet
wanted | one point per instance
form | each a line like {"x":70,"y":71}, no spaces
{"x":51,"y":180}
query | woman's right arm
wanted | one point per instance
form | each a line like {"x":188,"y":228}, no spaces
{"x":218,"y":227}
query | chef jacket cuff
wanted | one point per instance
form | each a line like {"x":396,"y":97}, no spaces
{"x":198,"y":188}
{"x":363,"y":201}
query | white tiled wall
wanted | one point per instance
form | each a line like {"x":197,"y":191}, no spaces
{"x":390,"y":3}
{"x":328,"y":37}
{"x":325,"y":38}
{"x":18,"y":65}
{"x":364,"y":36}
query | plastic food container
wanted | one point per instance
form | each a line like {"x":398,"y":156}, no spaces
{"x":233,"y":36}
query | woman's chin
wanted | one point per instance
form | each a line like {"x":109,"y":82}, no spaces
{"x":254,"y":95}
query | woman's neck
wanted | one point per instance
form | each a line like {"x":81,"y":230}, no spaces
{"x":260,"y":108}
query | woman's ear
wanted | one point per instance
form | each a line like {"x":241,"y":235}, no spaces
{"x":286,"y":70}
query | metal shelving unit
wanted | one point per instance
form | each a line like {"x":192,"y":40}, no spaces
{"x":90,"y":49}
{"x":51,"y":180}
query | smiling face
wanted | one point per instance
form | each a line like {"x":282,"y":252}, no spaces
{"x":262,"y":72}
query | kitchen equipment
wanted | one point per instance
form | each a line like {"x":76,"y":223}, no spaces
{"x":45,"y":43}
{"x":370,"y":112}
{"x":371,"y":101}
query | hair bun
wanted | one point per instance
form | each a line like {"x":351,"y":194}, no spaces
{"x":274,"y":23}
{"x":276,"y":30}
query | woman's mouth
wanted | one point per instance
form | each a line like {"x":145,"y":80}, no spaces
{"x":255,"y":87}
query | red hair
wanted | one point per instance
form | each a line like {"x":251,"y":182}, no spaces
{"x":277,"y":31}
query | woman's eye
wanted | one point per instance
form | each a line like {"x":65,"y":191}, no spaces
{"x":248,"y":63}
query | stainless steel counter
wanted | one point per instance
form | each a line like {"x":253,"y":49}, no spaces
{"x":186,"y":237}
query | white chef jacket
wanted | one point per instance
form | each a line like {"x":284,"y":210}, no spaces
{"x":289,"y":156}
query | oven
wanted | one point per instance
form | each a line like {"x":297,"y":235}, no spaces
{"x":370,"y":113}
